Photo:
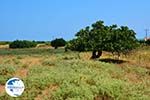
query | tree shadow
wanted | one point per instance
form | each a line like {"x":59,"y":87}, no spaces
{"x":114,"y":61}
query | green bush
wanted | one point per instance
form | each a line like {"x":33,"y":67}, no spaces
{"x":58,"y":43}
{"x":22,"y":44}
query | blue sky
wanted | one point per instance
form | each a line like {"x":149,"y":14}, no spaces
{"x":49,"y":19}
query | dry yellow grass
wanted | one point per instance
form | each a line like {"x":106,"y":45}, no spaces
{"x":40,"y":60}
{"x":43,"y":46}
{"x":4,"y":46}
{"x":30,"y":61}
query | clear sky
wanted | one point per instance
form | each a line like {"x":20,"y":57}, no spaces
{"x":49,"y":19}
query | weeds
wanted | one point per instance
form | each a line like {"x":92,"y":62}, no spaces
{"x":6,"y":72}
{"x":76,"y":78}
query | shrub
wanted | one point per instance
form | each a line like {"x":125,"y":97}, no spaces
{"x":22,"y":44}
{"x":58,"y":43}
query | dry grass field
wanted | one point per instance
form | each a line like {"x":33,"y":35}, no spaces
{"x":51,"y":74}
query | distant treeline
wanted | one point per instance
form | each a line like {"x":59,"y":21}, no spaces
{"x":22,"y":44}
{"x":141,"y":41}
{"x":4,"y":42}
{"x":8,"y":42}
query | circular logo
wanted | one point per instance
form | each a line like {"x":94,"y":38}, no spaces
{"x":14,"y":87}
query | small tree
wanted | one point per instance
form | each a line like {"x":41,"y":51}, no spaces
{"x":58,"y":43}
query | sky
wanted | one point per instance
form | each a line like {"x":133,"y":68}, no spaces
{"x":44,"y":20}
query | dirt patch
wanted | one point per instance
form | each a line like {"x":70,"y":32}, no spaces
{"x":134,"y":78}
{"x":21,"y":73}
{"x":2,"y":89}
{"x":47,"y":92}
{"x":4,"y":46}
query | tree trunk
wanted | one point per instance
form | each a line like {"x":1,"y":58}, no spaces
{"x":56,"y":47}
{"x":96,"y":54}
{"x":99,"y":53}
{"x":118,"y":55}
{"x":66,"y":49}
{"x":93,"y":54}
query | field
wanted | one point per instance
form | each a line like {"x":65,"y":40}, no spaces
{"x":51,"y":74}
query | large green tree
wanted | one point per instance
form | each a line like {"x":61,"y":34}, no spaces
{"x":100,"y":37}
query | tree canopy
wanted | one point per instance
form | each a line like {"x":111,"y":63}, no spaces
{"x":58,"y":43}
{"x":99,"y":37}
